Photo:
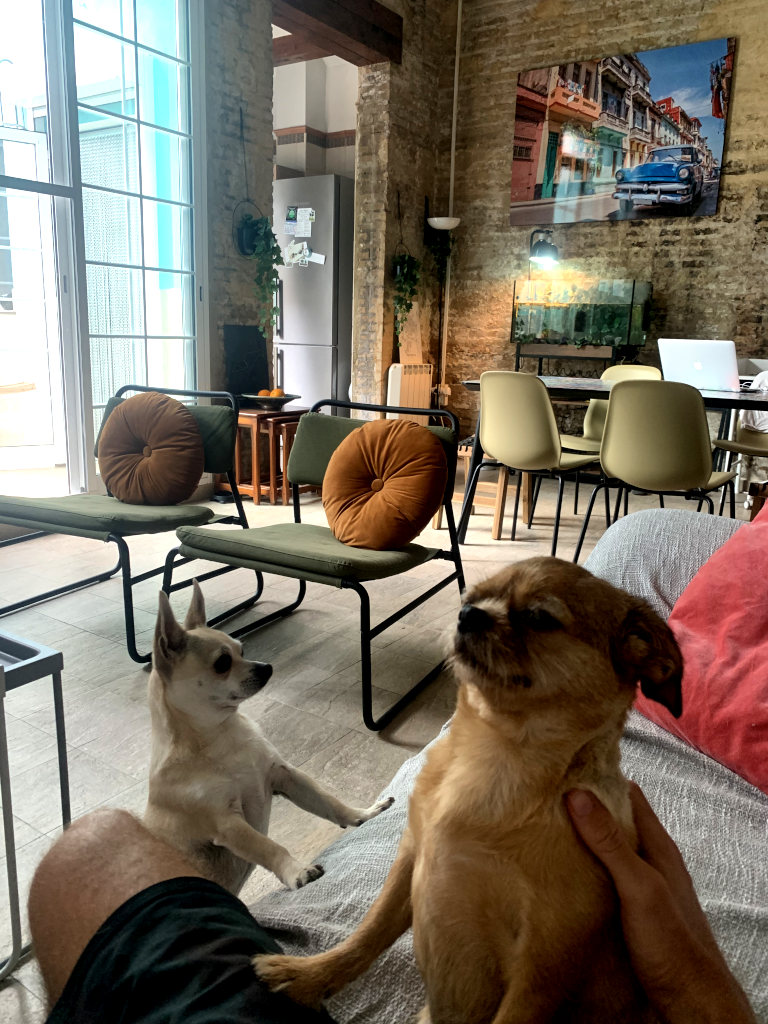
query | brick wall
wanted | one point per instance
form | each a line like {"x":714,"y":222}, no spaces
{"x":709,"y":273}
{"x":238,"y":73}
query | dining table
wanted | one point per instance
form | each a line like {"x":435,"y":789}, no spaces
{"x":574,"y":389}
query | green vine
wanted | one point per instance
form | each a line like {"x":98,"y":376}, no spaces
{"x":256,"y":240}
{"x":406,"y":270}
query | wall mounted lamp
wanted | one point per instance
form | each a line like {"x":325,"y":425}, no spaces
{"x":543,"y":251}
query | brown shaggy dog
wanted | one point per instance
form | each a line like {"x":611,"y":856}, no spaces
{"x":513,"y":919}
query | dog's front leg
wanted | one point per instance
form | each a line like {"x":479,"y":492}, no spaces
{"x":309,"y":980}
{"x":234,"y":833}
{"x":303,"y":791}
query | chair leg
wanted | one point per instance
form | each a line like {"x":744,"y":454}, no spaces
{"x":576,"y":493}
{"x":130,"y":626}
{"x":517,"y":503}
{"x":560,"y":489}
{"x":617,"y":506}
{"x":585,"y":524}
{"x":68,"y":588}
{"x":466,"y":508}
{"x":534,"y":499}
{"x":501,"y":501}
{"x":661,"y":500}
{"x":710,"y":505}
{"x":280,"y":613}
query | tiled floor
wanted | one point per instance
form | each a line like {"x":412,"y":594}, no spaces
{"x":310,"y":709}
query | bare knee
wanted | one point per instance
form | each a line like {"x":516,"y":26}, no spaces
{"x":100,"y":862}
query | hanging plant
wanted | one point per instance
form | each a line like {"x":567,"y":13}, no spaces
{"x":256,"y":240}
{"x":406,"y":270}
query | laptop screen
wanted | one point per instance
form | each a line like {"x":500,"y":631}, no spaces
{"x":707,"y":364}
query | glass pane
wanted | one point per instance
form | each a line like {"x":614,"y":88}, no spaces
{"x":167,"y":235}
{"x":113,"y":15}
{"x":23,"y":94}
{"x":169,"y":303}
{"x":171,"y":362}
{"x":105,"y":72}
{"x":108,"y":151}
{"x":162,"y":25}
{"x":165,"y":165}
{"x":31,"y":423}
{"x":115,"y":362}
{"x":114,"y":300}
{"x":112,"y":228}
{"x":163,"y":92}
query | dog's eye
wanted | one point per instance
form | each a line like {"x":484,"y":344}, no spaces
{"x":223,"y":664}
{"x":542,"y":620}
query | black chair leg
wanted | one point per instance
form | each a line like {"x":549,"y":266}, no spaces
{"x":661,"y":501}
{"x":517,"y":503}
{"x":560,"y":489}
{"x":534,"y":500}
{"x":617,"y":506}
{"x":130,"y":626}
{"x":466,"y":508}
{"x":576,"y":493}
{"x":585,"y":524}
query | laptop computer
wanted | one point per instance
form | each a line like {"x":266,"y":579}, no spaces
{"x":706,"y":364}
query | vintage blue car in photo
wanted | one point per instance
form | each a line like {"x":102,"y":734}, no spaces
{"x":671,"y":174}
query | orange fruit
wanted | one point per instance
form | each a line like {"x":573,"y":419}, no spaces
{"x":277,"y":393}
{"x":264,"y":393}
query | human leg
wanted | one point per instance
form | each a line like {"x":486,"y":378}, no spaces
{"x":101,"y":861}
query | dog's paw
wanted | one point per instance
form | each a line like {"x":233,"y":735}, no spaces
{"x":291,"y":975}
{"x":306,"y":875}
{"x":373,"y":810}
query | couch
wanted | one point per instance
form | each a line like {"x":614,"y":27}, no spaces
{"x":719,"y":821}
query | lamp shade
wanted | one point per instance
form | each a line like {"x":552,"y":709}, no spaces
{"x":543,"y":251}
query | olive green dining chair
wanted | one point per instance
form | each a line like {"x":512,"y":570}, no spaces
{"x":518,"y":430}
{"x":656,"y":440}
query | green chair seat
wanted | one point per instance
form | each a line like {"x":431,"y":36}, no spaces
{"x":98,"y":515}
{"x":300,"y":551}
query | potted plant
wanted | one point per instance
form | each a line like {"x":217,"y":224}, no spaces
{"x":256,"y":240}
{"x":406,"y":271}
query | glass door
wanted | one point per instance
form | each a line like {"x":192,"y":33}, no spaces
{"x":97,"y":275}
{"x":38,"y":296}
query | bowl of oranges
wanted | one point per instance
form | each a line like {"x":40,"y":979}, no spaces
{"x":267,"y":398}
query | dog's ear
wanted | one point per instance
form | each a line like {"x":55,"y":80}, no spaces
{"x":645,"y":650}
{"x":196,"y":614}
{"x":170,"y":638}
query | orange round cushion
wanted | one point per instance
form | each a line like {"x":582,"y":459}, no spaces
{"x":151,"y":451}
{"x":383,"y":484}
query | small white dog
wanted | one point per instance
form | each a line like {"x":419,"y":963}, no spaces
{"x":213,"y":774}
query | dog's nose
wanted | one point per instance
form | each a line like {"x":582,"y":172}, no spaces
{"x":473,"y":619}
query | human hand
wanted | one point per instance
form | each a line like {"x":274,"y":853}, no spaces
{"x":673,"y":951}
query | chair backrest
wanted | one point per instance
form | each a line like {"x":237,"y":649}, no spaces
{"x":517,"y":422}
{"x":217,"y":423}
{"x":318,"y":435}
{"x":656,"y":436}
{"x":594,"y":417}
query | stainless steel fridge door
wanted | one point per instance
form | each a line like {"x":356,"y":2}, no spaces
{"x":306,"y":370}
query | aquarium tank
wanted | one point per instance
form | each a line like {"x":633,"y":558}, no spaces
{"x":581,"y":311}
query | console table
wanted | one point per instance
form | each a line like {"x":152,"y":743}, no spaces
{"x":22,"y":662}
{"x":266,"y":477}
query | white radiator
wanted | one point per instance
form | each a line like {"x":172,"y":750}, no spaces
{"x":410,"y":385}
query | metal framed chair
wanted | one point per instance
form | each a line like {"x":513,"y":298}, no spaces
{"x":104,"y":518}
{"x":518,"y":430}
{"x":656,"y":440}
{"x":310,"y":553}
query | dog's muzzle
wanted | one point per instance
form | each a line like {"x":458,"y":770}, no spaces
{"x":473,"y":619}
{"x":260,"y":675}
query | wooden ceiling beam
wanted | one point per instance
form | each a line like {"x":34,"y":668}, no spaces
{"x":292,"y":49}
{"x":359,"y":31}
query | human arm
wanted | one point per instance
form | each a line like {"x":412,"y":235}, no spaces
{"x":673,"y":951}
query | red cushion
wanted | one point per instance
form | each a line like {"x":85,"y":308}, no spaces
{"x":721,"y":624}
{"x":151,"y":451}
{"x":383,"y":484}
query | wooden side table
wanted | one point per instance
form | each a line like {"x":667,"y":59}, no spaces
{"x":266,"y":475}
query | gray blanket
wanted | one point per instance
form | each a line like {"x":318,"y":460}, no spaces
{"x":719,"y":821}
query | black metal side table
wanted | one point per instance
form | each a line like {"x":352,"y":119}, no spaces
{"x":22,"y":662}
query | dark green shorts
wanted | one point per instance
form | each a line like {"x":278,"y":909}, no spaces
{"x":179,"y":951}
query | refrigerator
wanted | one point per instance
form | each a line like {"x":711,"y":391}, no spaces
{"x":312,"y":347}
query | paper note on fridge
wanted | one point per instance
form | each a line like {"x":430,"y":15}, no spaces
{"x":316,"y":257}
{"x":305,"y":216}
